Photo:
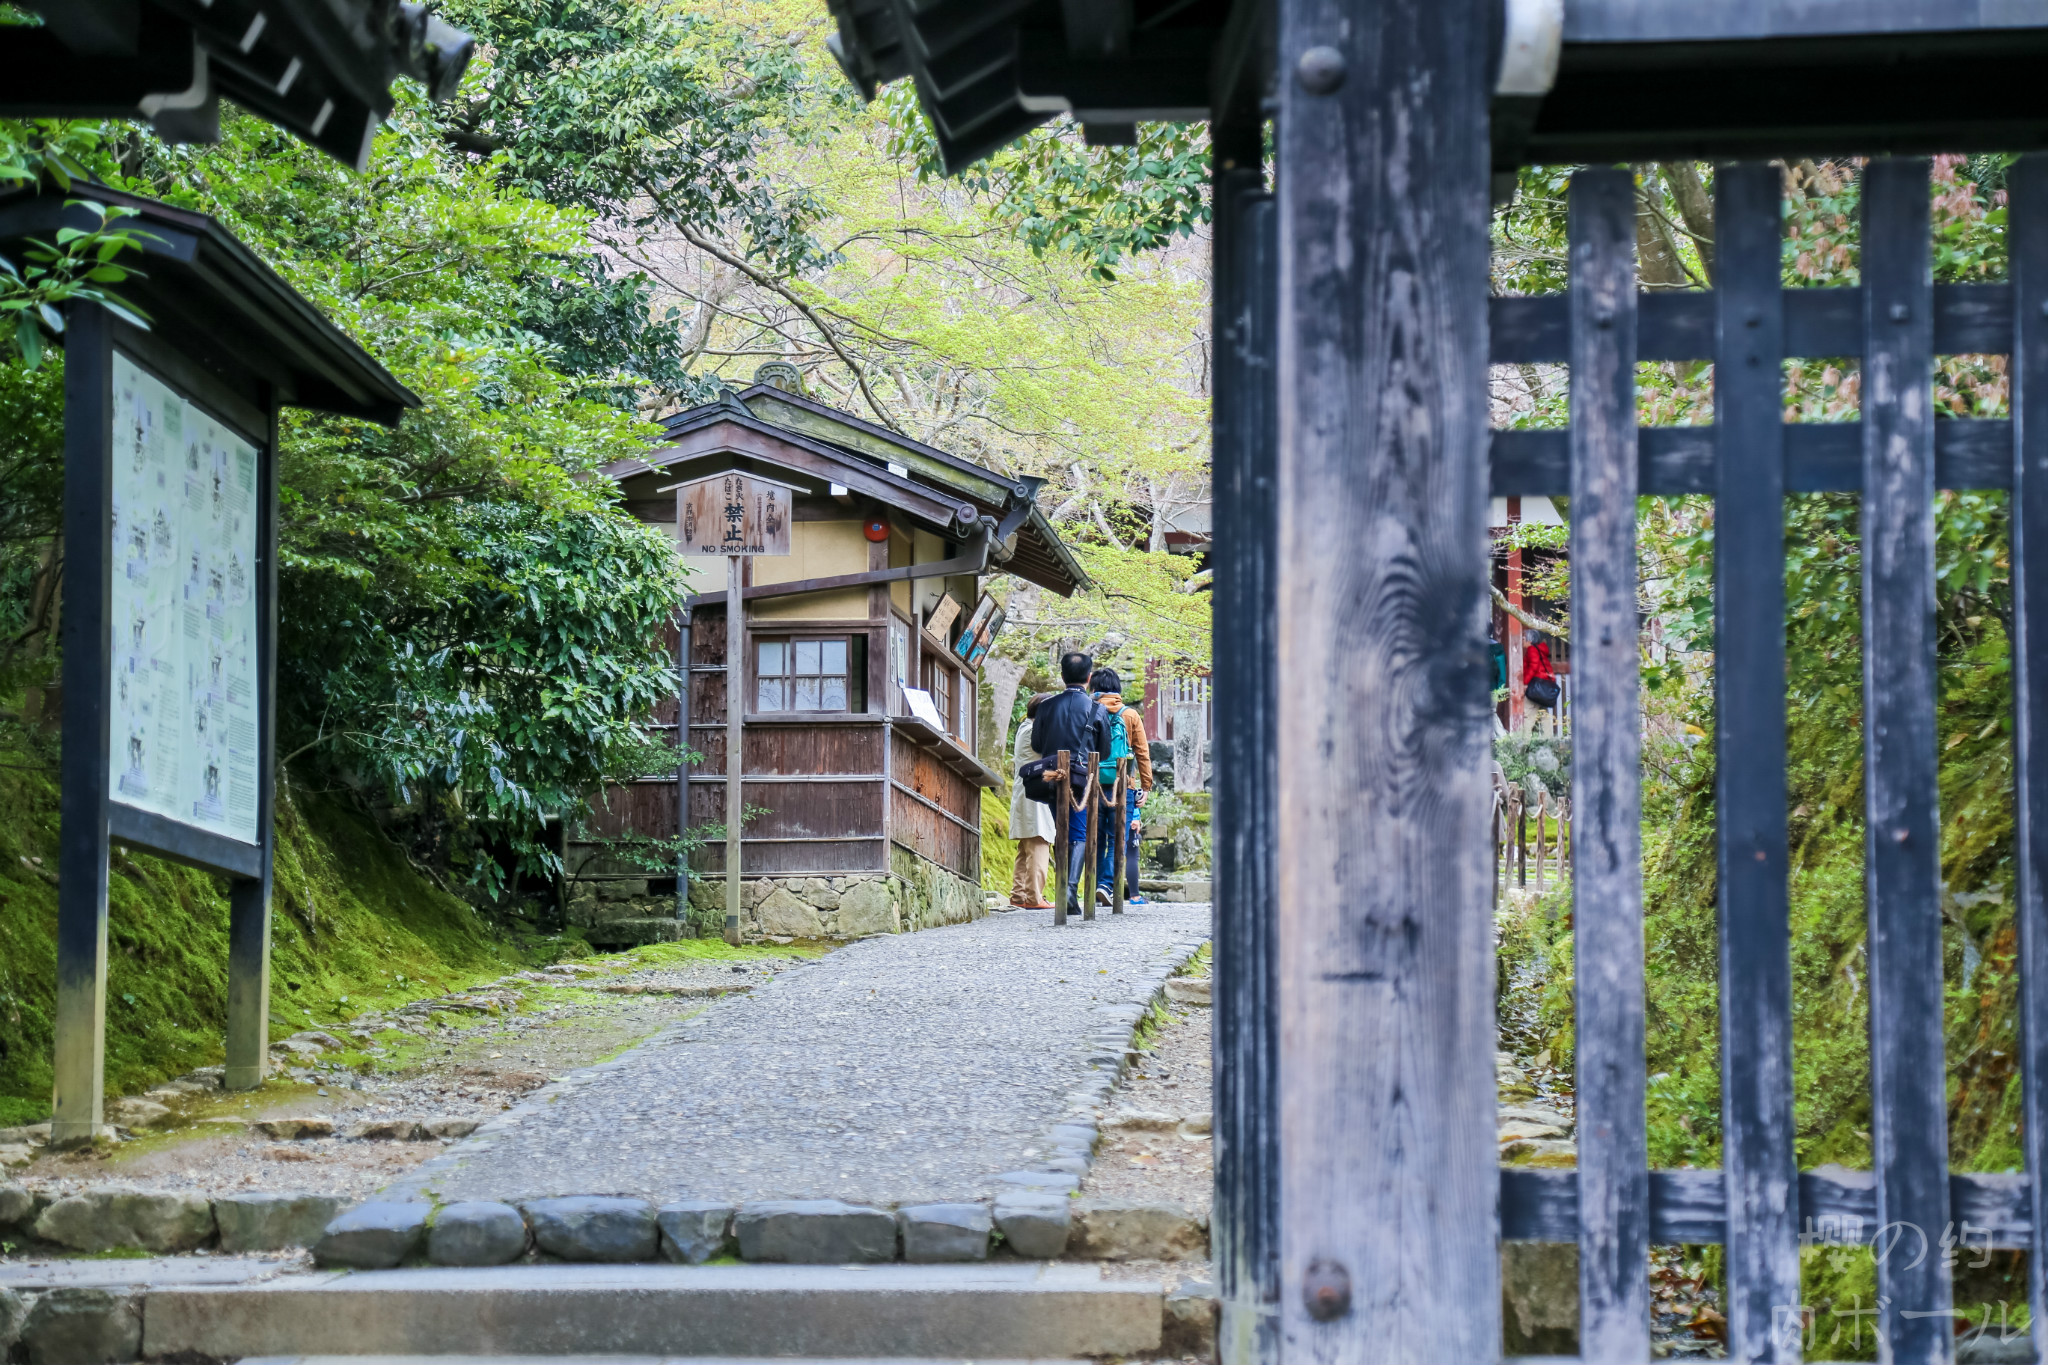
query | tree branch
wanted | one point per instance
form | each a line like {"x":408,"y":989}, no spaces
{"x":766,"y":281}
{"x":1532,"y":622}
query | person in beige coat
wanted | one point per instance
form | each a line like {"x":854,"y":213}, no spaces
{"x":1031,"y":824}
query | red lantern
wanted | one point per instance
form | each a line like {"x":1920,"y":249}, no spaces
{"x":876,"y":529}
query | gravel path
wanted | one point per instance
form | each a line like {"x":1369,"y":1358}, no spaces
{"x":899,"y":1069}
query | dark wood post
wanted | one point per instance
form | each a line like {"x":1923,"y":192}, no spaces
{"x":1902,"y":834}
{"x":1062,"y":812}
{"x":1607,"y":898}
{"x":1760,"y":1164}
{"x":81,"y":1022}
{"x":2027,"y":249}
{"x":1243,"y":1221}
{"x":1091,"y":847}
{"x":1390,"y":1179}
{"x":248,"y":1040}
{"x":682,"y":759}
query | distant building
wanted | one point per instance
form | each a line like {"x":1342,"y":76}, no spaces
{"x":872,"y":816}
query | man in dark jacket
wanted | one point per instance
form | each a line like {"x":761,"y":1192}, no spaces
{"x":1075,"y":722}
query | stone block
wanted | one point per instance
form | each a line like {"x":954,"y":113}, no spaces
{"x":694,"y":1230}
{"x":476,"y":1233}
{"x":100,"y":1220}
{"x":821,"y":893}
{"x":1188,"y":990}
{"x":1539,"y":1298}
{"x":390,"y":1130}
{"x":594,"y":1229}
{"x":945,"y":1232}
{"x":373,"y":1236}
{"x":1192,"y":1315}
{"x":814,"y":1232}
{"x":624,"y":889}
{"x":1513,"y":1129}
{"x":16,"y":1204}
{"x":136,"y":1113}
{"x":782,"y":913}
{"x":272,"y":1222}
{"x":13,"y":1312}
{"x":1129,"y":1230}
{"x":868,"y":907}
{"x":452,"y":1127}
{"x":1035,"y":1225}
{"x":78,"y":1326}
{"x":14,"y":1154}
{"x":292,"y":1130}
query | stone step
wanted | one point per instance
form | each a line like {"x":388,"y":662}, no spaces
{"x":651,"y":1360}
{"x":930,"y":1313}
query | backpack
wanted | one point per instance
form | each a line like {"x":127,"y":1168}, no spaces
{"x":1119,"y":749}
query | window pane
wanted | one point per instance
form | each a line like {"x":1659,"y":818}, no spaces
{"x":768,"y":695}
{"x":832,"y":696}
{"x":806,"y":695}
{"x":806,"y":658}
{"x":832,"y":656}
{"x":774,"y":658}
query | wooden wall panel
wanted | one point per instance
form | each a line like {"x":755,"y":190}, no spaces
{"x":646,"y":808}
{"x":919,"y":769}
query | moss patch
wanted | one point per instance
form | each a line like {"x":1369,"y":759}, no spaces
{"x":353,"y":927}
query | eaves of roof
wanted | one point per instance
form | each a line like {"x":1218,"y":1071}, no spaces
{"x":198,"y":277}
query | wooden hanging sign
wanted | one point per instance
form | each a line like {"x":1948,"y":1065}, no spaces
{"x":733,"y":514}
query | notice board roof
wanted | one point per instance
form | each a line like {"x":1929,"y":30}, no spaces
{"x":209,"y":294}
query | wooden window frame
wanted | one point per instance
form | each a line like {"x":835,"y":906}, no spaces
{"x":855,"y":675}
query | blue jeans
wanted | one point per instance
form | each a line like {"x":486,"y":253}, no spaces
{"x":1105,"y":868}
{"x":1077,"y":849}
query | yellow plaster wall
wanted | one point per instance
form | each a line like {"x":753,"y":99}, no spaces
{"x":817,"y":549}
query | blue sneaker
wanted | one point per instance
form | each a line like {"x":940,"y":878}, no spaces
{"x":1136,"y":900}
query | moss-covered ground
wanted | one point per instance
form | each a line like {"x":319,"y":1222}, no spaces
{"x":354,"y":927}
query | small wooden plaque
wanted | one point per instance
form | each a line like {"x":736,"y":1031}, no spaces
{"x":732,"y":514}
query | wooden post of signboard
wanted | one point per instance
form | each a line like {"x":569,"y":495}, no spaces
{"x":81,"y":1041}
{"x":735,"y":516}
{"x":735,"y":752}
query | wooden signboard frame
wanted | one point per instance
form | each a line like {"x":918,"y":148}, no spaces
{"x":92,"y":812}
{"x":754,"y":516}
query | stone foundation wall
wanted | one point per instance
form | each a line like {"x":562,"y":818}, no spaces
{"x":913,"y":894}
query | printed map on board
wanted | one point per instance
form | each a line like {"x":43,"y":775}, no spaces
{"x":182,"y":741}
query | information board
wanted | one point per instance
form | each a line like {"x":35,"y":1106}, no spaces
{"x":182,"y":726}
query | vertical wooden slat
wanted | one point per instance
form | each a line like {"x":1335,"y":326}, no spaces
{"x":1607,"y":897}
{"x":81,"y":1023}
{"x":1760,"y":1165}
{"x":1389,"y":1169}
{"x":1244,"y":1230}
{"x":2027,"y":251}
{"x":736,"y":701}
{"x":1902,"y":864}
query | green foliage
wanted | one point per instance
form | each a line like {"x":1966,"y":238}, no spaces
{"x":519,"y":688}
{"x":1100,"y":204}
{"x":77,"y":264}
{"x":1530,"y":761}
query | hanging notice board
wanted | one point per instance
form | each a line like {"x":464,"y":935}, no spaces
{"x":185,"y":685}
{"x":733,"y":514}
